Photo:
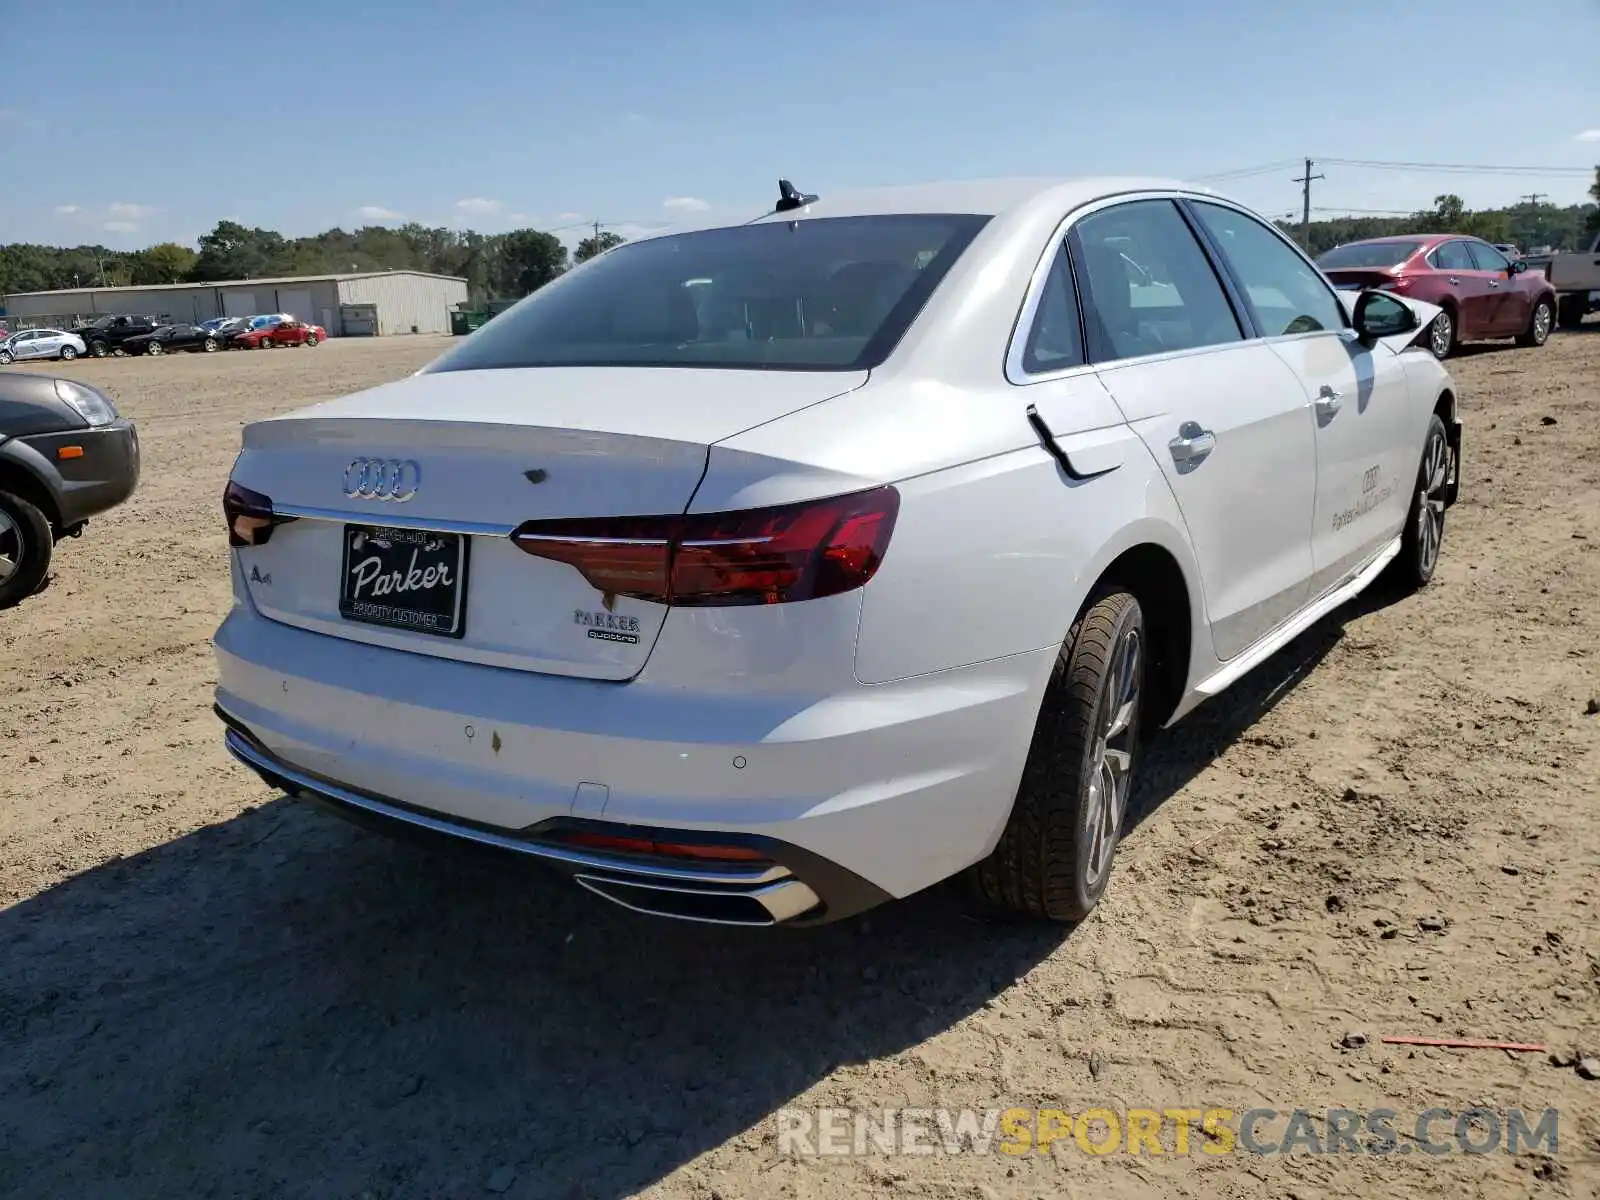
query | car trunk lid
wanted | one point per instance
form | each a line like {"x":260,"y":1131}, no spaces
{"x":404,"y":499}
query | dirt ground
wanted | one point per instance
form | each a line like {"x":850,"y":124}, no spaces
{"x":1392,"y":828}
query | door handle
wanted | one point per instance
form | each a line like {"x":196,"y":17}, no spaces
{"x":1329,"y":401}
{"x":1192,"y":443}
{"x":1494,"y":283}
{"x":1452,"y":279}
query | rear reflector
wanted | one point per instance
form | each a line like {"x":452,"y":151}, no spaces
{"x":759,"y":556}
{"x":249,"y":515}
{"x":620,"y":844}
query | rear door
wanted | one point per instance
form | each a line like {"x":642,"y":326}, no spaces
{"x":1366,"y":448}
{"x":1469,"y":285}
{"x":1224,"y":417}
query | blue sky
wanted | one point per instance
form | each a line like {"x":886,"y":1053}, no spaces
{"x":494,"y":114}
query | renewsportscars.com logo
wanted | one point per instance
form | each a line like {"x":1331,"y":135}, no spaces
{"x":1104,"y":1130}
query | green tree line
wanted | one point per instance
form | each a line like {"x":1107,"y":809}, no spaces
{"x":1523,"y":225}
{"x":499,"y":265}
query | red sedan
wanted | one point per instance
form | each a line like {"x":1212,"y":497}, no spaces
{"x":284,"y":333}
{"x":1483,"y":293}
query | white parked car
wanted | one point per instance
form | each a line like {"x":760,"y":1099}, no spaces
{"x":40,"y":343}
{"x":761,"y":574}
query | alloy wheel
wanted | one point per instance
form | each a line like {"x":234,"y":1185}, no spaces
{"x":1541,"y":322}
{"x":1111,"y":765}
{"x":1431,"y":487}
{"x":10,"y":546}
{"x":1441,"y":335}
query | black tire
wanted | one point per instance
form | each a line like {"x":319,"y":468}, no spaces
{"x":265,"y":344}
{"x":1054,"y":858}
{"x":97,"y":349}
{"x":1570,"y":311}
{"x":68,"y":353}
{"x":1540,"y":321}
{"x":1421,"y":540}
{"x":1444,"y":334}
{"x":312,"y":339}
{"x":154,"y":348}
{"x":5,"y":358}
{"x":209,"y":345}
{"x":27,"y":543}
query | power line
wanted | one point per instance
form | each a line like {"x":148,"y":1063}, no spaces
{"x":1533,"y":198}
{"x":1452,"y":168}
{"x":1248,"y":172}
{"x":1370,"y":212}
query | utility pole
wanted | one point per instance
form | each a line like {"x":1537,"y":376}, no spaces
{"x":1305,"y":209}
{"x":1533,"y":198}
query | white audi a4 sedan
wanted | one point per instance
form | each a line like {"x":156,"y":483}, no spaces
{"x":758,"y":575}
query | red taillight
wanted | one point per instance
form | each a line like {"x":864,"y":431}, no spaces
{"x":249,"y":515}
{"x":760,"y":556}
{"x":637,"y":845}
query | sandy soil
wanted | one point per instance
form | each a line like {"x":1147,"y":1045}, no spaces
{"x":1392,"y":828}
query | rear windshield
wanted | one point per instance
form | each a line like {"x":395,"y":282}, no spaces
{"x":824,"y":294}
{"x":1367,"y":254}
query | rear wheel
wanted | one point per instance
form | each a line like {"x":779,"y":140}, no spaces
{"x":97,"y":349}
{"x":5,"y":358}
{"x":1539,"y":323}
{"x":68,"y":353}
{"x":1424,"y":530}
{"x":1444,"y":339}
{"x":26,"y":545}
{"x":154,"y":348}
{"x":312,"y":339}
{"x":1053,"y":860}
{"x":209,"y":345}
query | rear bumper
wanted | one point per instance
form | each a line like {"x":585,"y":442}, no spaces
{"x":861,"y":794}
{"x":791,"y":887}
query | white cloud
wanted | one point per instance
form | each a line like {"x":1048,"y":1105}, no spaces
{"x":129,"y":212}
{"x":478,"y":206}
{"x":1588,"y":135}
{"x":376,"y":212}
{"x":66,"y":210}
{"x":686,"y":204}
{"x":121,"y":227}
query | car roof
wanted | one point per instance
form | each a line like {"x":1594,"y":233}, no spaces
{"x":1425,"y":239}
{"x":981,"y":197}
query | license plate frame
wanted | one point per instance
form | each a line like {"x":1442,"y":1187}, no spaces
{"x":402,"y":572}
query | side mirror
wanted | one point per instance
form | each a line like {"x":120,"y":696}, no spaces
{"x":1518,"y":266}
{"x":1380,"y":315}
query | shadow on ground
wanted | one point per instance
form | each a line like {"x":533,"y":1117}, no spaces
{"x":283,"y":1005}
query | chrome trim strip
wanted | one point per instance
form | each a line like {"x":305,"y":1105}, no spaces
{"x":782,"y":901}
{"x":575,"y":540}
{"x":241,"y":749}
{"x":393,"y":521}
{"x":1017,"y":347}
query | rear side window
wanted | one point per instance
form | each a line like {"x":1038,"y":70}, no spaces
{"x":1285,"y":292}
{"x":822,"y":294}
{"x":1148,"y":286}
{"x":1453,"y":256}
{"x":1055,"y":341}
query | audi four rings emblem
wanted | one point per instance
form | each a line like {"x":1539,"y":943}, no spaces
{"x":382,"y":479}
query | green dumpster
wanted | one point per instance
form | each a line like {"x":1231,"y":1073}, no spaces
{"x":464,"y":322}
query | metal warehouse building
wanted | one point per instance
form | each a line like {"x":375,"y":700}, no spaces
{"x":357,"y":305}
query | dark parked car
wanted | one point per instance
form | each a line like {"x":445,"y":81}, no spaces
{"x":164,"y":338}
{"x":1483,"y":293}
{"x":65,"y":455}
{"x":105,"y":335}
